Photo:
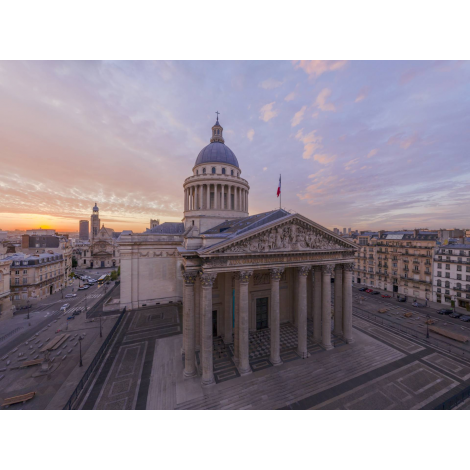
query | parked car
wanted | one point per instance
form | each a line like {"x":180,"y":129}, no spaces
{"x":362,"y":289}
{"x":455,"y":315}
{"x":368,"y":291}
{"x":71,"y":318}
{"x":386,"y":296}
{"x":401,"y":299}
{"x":77,"y":312}
{"x":70,"y":295}
{"x":445,"y":311}
{"x":375,"y":292}
{"x":64,"y":307}
{"x":417,"y":304}
{"x":464,"y":318}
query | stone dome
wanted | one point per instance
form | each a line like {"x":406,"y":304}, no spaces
{"x":217,"y":152}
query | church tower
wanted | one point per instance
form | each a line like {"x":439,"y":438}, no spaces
{"x":95,"y":222}
{"x":215,"y":192}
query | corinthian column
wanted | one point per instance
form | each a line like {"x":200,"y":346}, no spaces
{"x":302,"y":312}
{"x":275,"y":325}
{"x":236,"y":352}
{"x":317,"y":277}
{"x":347,"y":302}
{"x":189,"y":334}
{"x":228,"y":334}
{"x":338,"y":326}
{"x":197,"y":313}
{"x":326,"y":306}
{"x":244,"y":349}
{"x":207,"y":280}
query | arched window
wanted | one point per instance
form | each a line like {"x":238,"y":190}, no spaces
{"x":231,"y":172}
{"x":203,"y":171}
{"x":213,"y":170}
{"x":223,"y":171}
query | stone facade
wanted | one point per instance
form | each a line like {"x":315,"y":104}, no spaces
{"x":399,"y":262}
{"x":6,"y":305}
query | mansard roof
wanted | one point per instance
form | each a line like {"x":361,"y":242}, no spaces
{"x":171,"y":228}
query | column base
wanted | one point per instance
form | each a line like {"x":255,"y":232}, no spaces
{"x":236,"y":360}
{"x":229,"y":340}
{"x":189,"y":375}
{"x":316,"y":340}
{"x":208,"y":382}
{"x":276,"y":362}
{"x":327,"y":346}
{"x":338,"y":333}
{"x":303,"y":354}
{"x":245,"y":371}
{"x":348,"y":340}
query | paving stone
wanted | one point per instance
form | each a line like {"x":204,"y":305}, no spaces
{"x":32,"y":352}
{"x":1,"y":376}
{"x":5,"y":357}
{"x":27,"y":342}
{"x":64,"y":357}
{"x":3,"y":369}
{"x":31,"y":347}
{"x":64,"y":346}
{"x":8,"y":363}
{"x":58,"y":353}
{"x":69,"y":351}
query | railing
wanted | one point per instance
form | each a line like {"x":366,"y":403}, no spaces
{"x":94,"y":362}
{"x":455,"y":400}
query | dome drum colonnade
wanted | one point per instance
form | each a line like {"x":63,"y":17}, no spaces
{"x":216,"y":185}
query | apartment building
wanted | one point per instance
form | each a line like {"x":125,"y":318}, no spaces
{"x":397,"y":261}
{"x":35,"y":276}
{"x":452,"y":275}
{"x":5,"y":300}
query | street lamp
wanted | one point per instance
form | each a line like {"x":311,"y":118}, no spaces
{"x":427,"y":326}
{"x":29,"y":306}
{"x":80,"y":344}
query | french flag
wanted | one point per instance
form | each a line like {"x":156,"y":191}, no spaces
{"x":279,"y":187}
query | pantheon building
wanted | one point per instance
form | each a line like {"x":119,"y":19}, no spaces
{"x":236,"y":274}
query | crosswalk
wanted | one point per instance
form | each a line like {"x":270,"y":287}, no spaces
{"x":94,"y":296}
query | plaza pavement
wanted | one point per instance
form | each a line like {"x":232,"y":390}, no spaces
{"x":381,"y":369}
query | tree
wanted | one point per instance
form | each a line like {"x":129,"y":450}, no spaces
{"x":74,"y":262}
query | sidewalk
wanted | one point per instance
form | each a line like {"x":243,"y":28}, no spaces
{"x":410,"y":299}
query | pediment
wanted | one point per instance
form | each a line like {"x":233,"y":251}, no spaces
{"x":295,"y":234}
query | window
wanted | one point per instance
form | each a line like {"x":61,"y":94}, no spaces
{"x":459,"y":286}
{"x":17,"y":281}
{"x":223,"y":171}
{"x":447,"y":266}
{"x":439,"y":283}
{"x":438,"y":289}
{"x":203,"y":171}
{"x":439,"y":265}
{"x":447,"y":274}
{"x":25,"y":280}
{"x":459,"y":268}
{"x":213,"y":170}
{"x":231,"y":172}
{"x":447,"y":284}
{"x":17,"y":272}
{"x":25,"y":271}
{"x":459,"y":277}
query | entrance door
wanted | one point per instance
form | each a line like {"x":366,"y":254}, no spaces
{"x":261,"y":313}
{"x":102,"y":264}
{"x":214,"y":322}
{"x":50,"y":291}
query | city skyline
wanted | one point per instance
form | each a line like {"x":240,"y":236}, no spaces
{"x":371,"y":145}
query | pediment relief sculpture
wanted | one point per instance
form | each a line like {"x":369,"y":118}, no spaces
{"x":289,"y":237}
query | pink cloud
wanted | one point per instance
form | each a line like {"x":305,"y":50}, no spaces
{"x":315,"y":68}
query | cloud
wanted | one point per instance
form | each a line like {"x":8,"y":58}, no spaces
{"x":321,"y":103}
{"x":290,"y":96}
{"x":372,"y":153}
{"x":362,"y":94}
{"x":323,"y":158}
{"x":311,"y":141}
{"x":267,"y":112}
{"x":348,"y":165}
{"x":265,"y":168}
{"x":250,"y":134}
{"x":298,"y":116}
{"x":315,"y":68}
{"x":270,"y":84}
{"x":402,"y":141}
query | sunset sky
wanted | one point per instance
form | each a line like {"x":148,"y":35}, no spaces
{"x":366,"y":145}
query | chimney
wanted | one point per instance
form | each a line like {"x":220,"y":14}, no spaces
{"x":416,"y":232}
{"x":25,"y":241}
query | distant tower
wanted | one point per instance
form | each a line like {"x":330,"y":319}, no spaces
{"x":154,"y":223}
{"x":344,"y":230}
{"x":84,"y":232}
{"x":95,"y":222}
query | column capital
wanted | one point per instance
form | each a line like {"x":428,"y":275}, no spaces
{"x":245,"y":276}
{"x":189,"y":278}
{"x":316,"y":268}
{"x":303,"y":270}
{"x":207,"y":279}
{"x":276,"y":274}
{"x":327,"y":269}
{"x":348,"y":267}
{"x":338,"y":267}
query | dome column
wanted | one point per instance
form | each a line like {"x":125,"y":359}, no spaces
{"x":208,"y":196}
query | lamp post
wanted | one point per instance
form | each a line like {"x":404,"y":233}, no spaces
{"x":80,"y":344}
{"x":29,"y":306}
{"x":427,"y":326}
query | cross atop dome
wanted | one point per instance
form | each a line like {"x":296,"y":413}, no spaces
{"x":217,"y":130}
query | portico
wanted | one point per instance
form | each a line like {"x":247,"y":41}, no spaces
{"x":244,"y":276}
